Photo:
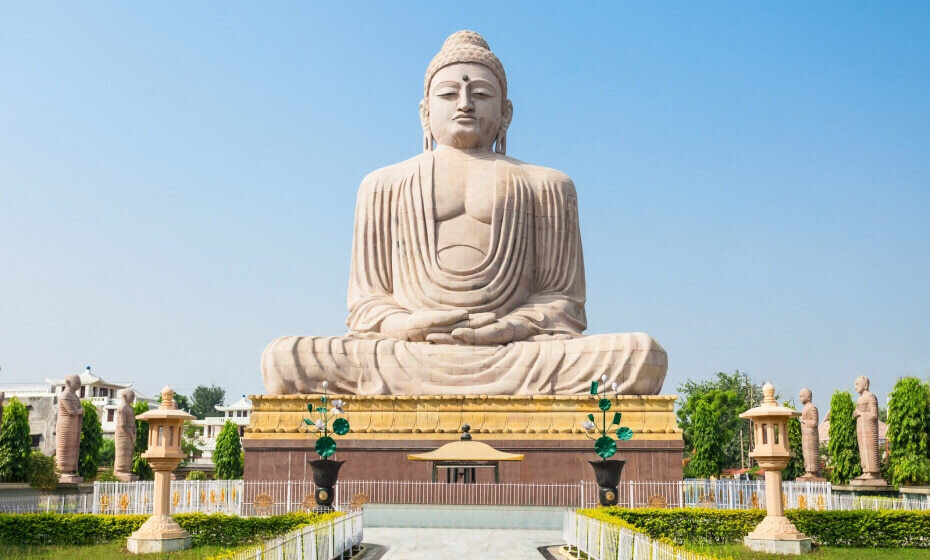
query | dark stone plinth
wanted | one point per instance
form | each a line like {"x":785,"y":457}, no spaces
{"x":864,"y":490}
{"x":381,"y":459}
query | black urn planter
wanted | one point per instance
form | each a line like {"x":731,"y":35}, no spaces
{"x":325,"y":475}
{"x":607,"y":474}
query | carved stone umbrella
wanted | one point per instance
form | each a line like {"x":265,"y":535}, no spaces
{"x":775,"y":534}
{"x":160,"y":533}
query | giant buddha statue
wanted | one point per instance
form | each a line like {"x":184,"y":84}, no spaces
{"x":467,"y":274}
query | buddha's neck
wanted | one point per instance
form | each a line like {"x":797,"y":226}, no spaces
{"x":464,"y":153}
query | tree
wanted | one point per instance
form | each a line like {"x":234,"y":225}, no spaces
{"x":107,"y":453}
{"x":43,"y":471}
{"x":91,"y":440}
{"x":843,"y":445}
{"x":736,"y":449}
{"x":183,"y":402}
{"x":909,"y":432}
{"x":190,"y":442}
{"x":228,"y":455}
{"x":205,"y":400}
{"x":15,"y":443}
{"x":140,"y":466}
{"x":196,"y":475}
{"x":706,"y":456}
{"x":795,"y":466}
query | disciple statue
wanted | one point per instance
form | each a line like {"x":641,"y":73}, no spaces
{"x":810,"y":437}
{"x":2,"y":396}
{"x":68,"y":429}
{"x":467,"y":274}
{"x":125,"y":437}
{"x":866,"y":415}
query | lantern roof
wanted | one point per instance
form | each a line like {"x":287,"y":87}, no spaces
{"x":769,"y":407}
{"x":168,"y":410}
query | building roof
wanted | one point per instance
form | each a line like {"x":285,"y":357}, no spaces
{"x":466,"y":450}
{"x":88,"y":378}
{"x":26,"y":390}
{"x":242,"y":404}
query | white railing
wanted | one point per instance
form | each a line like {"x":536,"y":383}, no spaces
{"x":46,"y":503}
{"x":260,"y":498}
{"x":208,"y":496}
{"x":604,"y":541}
{"x":335,"y":538}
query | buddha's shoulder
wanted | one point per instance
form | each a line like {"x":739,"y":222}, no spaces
{"x":538,"y":176}
{"x":390,"y":175}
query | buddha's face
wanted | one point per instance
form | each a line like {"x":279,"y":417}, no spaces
{"x":465,"y":106}
{"x":805,"y":396}
{"x":862,"y":384}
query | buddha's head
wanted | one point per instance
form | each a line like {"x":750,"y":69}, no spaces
{"x":128,"y":396}
{"x":862,"y":384}
{"x":73,"y":382}
{"x":465,"y":101}
{"x":805,"y":395}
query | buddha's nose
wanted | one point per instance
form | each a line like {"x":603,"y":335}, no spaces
{"x":465,"y":103}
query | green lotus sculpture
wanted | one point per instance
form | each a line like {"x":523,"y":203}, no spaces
{"x":328,"y":410}
{"x":605,"y":446}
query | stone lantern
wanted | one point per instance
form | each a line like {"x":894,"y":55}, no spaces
{"x":160,"y":533}
{"x":775,"y":534}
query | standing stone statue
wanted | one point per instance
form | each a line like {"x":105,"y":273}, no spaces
{"x":810,"y":438}
{"x":68,"y":430}
{"x":125,"y":437}
{"x":2,"y":396}
{"x":866,"y":415}
{"x":467,"y":275}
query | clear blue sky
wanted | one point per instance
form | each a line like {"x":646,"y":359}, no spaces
{"x":177,"y":180}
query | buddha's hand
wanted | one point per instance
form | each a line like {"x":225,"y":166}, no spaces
{"x":432,"y":326}
{"x":502,"y":331}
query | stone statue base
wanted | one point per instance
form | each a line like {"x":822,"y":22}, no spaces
{"x":126,"y":477}
{"x":777,"y":535}
{"x":546,"y":429}
{"x":810,"y":477}
{"x":70,"y":479}
{"x":869,"y":479}
{"x":160,"y":533}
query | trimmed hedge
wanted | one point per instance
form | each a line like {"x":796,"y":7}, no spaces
{"x":857,"y":528}
{"x":40,"y":529}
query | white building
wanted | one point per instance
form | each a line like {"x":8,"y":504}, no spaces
{"x":238,"y":413}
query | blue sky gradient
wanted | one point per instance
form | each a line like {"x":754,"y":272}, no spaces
{"x":177,"y":180}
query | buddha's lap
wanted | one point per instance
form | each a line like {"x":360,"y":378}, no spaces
{"x":299,"y":364}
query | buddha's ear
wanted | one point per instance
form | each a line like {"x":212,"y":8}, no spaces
{"x":506,"y":117}
{"x":424,"y":121}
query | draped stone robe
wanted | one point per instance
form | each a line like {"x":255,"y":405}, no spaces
{"x":533,"y":270}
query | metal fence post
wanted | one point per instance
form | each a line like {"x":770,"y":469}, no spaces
{"x":632,"y":503}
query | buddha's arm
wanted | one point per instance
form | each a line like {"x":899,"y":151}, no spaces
{"x":557,"y":305}
{"x":371,"y":282}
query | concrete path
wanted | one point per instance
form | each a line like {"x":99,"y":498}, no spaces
{"x":389,"y":543}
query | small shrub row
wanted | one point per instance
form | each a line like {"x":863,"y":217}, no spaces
{"x":857,"y":528}
{"x":84,"y":529}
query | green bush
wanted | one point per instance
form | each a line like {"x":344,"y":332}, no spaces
{"x":43,"y":471}
{"x":228,"y":454}
{"x":909,"y":432}
{"x":843,"y":446}
{"x":196,"y":475}
{"x":107,"y":452}
{"x":106,"y":475}
{"x":15,"y":443}
{"x":34,"y":529}
{"x":857,"y":528}
{"x":91,"y":441}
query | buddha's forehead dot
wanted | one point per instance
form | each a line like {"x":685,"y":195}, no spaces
{"x":465,"y":77}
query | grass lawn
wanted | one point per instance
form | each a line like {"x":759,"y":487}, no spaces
{"x":740,"y":552}
{"x":108,"y":551}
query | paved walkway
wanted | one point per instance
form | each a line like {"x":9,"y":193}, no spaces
{"x":389,"y":543}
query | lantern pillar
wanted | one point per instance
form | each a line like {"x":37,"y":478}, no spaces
{"x":160,"y":533}
{"x":772,"y":450}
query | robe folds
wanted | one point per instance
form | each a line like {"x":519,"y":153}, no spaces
{"x":533,"y":270}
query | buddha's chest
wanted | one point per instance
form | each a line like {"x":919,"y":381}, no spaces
{"x":463,"y":202}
